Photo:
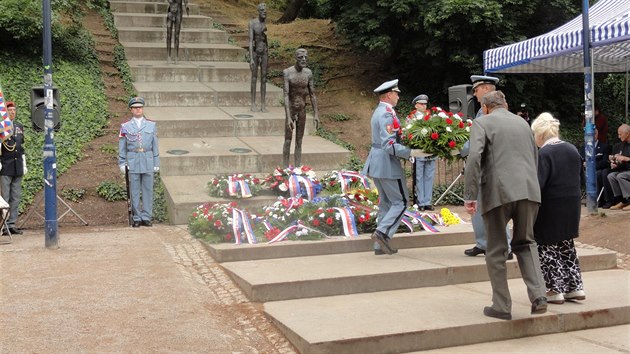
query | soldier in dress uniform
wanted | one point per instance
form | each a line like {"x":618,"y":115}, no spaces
{"x":383,"y":166}
{"x":13,"y":169}
{"x":424,"y":167}
{"x":138,"y":151}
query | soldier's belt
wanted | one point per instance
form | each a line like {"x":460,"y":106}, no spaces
{"x":139,"y":150}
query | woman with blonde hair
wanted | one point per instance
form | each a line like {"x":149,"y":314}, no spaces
{"x":558,"y":221}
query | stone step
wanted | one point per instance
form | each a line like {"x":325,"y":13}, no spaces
{"x":187,"y":51}
{"x":151,"y":7}
{"x":614,"y":339}
{"x":461,"y":234}
{"x":224,"y":94}
{"x":190,"y":71}
{"x":255,"y":154}
{"x":158,"y":35}
{"x":400,"y":321}
{"x":362,"y":272}
{"x":122,"y":19}
{"x":205,"y":122}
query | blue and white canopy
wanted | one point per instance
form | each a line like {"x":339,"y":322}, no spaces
{"x":561,"y":51}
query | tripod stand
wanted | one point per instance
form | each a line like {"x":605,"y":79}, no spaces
{"x":448,"y":189}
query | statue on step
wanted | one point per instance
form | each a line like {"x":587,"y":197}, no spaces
{"x":174,"y":21}
{"x":298,"y":84}
{"x":258,"y":55}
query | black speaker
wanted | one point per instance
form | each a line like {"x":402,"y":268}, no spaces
{"x":38,"y":109}
{"x":461,"y":100}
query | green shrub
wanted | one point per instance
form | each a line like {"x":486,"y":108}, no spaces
{"x":112,"y":191}
{"x":72,"y":194}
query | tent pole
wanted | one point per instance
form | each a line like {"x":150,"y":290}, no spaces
{"x":627,"y":121}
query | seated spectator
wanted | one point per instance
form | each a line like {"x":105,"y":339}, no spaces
{"x":619,"y":176}
{"x":602,"y":167}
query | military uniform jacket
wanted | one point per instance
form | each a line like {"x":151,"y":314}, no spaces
{"x":383,"y":160}
{"x":12,"y":152}
{"x":138,"y":146}
{"x":503,"y":161}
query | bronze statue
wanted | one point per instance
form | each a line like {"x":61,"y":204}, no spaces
{"x":258,"y":55}
{"x":174,"y":19}
{"x":298,"y":83}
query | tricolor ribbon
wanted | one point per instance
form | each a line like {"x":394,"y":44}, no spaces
{"x":241,"y":225}
{"x":422,"y":221}
{"x":348,"y":222}
{"x":295,"y":189}
{"x":236,"y":184}
{"x":6,"y":123}
{"x":284,"y":233}
{"x":405,"y":221}
{"x":345,"y":178}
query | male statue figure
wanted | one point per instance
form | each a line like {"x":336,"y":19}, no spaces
{"x":174,"y":19}
{"x":298,"y":83}
{"x":258,"y":55}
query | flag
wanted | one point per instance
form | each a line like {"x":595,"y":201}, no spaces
{"x":6,"y":125}
{"x":3,"y":108}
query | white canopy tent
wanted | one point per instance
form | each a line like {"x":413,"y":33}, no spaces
{"x":561,"y":50}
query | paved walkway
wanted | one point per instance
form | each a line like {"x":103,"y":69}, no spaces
{"x":125,"y":290}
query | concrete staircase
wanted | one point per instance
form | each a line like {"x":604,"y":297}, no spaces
{"x":202,"y":106}
{"x":336,"y":296}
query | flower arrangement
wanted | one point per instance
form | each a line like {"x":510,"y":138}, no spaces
{"x":449,"y":218}
{"x":438,"y":132}
{"x":364,"y":202}
{"x":338,"y":182}
{"x":220,"y":222}
{"x":293,"y":182}
{"x":235,"y":186}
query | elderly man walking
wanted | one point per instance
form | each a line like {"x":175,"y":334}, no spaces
{"x":502,"y":170}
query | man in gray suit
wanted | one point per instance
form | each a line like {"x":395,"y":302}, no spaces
{"x":383,"y":166}
{"x":502,"y":170}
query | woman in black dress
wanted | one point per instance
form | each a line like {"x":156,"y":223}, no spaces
{"x":559,"y":167}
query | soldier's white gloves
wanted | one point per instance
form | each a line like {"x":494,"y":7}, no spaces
{"x":418,"y":153}
{"x":156,"y":169}
{"x":24,"y":163}
{"x":122,"y":168}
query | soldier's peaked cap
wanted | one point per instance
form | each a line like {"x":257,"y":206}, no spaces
{"x":136,"y":102}
{"x":481,"y":79}
{"x":420,"y":99}
{"x":387,"y":86}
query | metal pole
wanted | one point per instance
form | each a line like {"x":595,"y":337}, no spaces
{"x":589,"y":126}
{"x":50,"y":159}
{"x":627,"y":120}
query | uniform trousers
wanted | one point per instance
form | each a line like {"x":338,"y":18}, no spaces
{"x":523,"y":214}
{"x":141,"y":183}
{"x":425,"y":172}
{"x":12,"y":194}
{"x":561,"y":267}
{"x":392,"y":204}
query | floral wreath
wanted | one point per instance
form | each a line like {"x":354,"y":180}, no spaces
{"x":294,"y":182}
{"x":235,"y":186}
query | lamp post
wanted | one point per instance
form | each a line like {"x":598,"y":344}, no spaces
{"x":50,"y":159}
{"x":589,"y":126}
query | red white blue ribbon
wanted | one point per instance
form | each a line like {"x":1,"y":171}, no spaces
{"x":345,"y":178}
{"x":236,"y":184}
{"x":295,"y":189}
{"x":348,"y":222}
{"x":422,"y":221}
{"x":284,"y":233}
{"x":241,"y":225}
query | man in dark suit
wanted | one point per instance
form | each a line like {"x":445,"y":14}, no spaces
{"x":12,"y":169}
{"x":502,"y":170}
{"x":602,"y":168}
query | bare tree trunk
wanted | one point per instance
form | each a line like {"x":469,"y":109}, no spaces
{"x":292,"y":11}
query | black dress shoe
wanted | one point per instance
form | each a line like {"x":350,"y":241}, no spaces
{"x":539,"y":306}
{"x":606,"y":205}
{"x":472,"y":252}
{"x":510,"y":255}
{"x":379,"y":252}
{"x":490,"y":312}
{"x":382,"y":240}
{"x":136,"y":224}
{"x":429,"y":207}
{"x":146,"y":223}
{"x":15,"y":231}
